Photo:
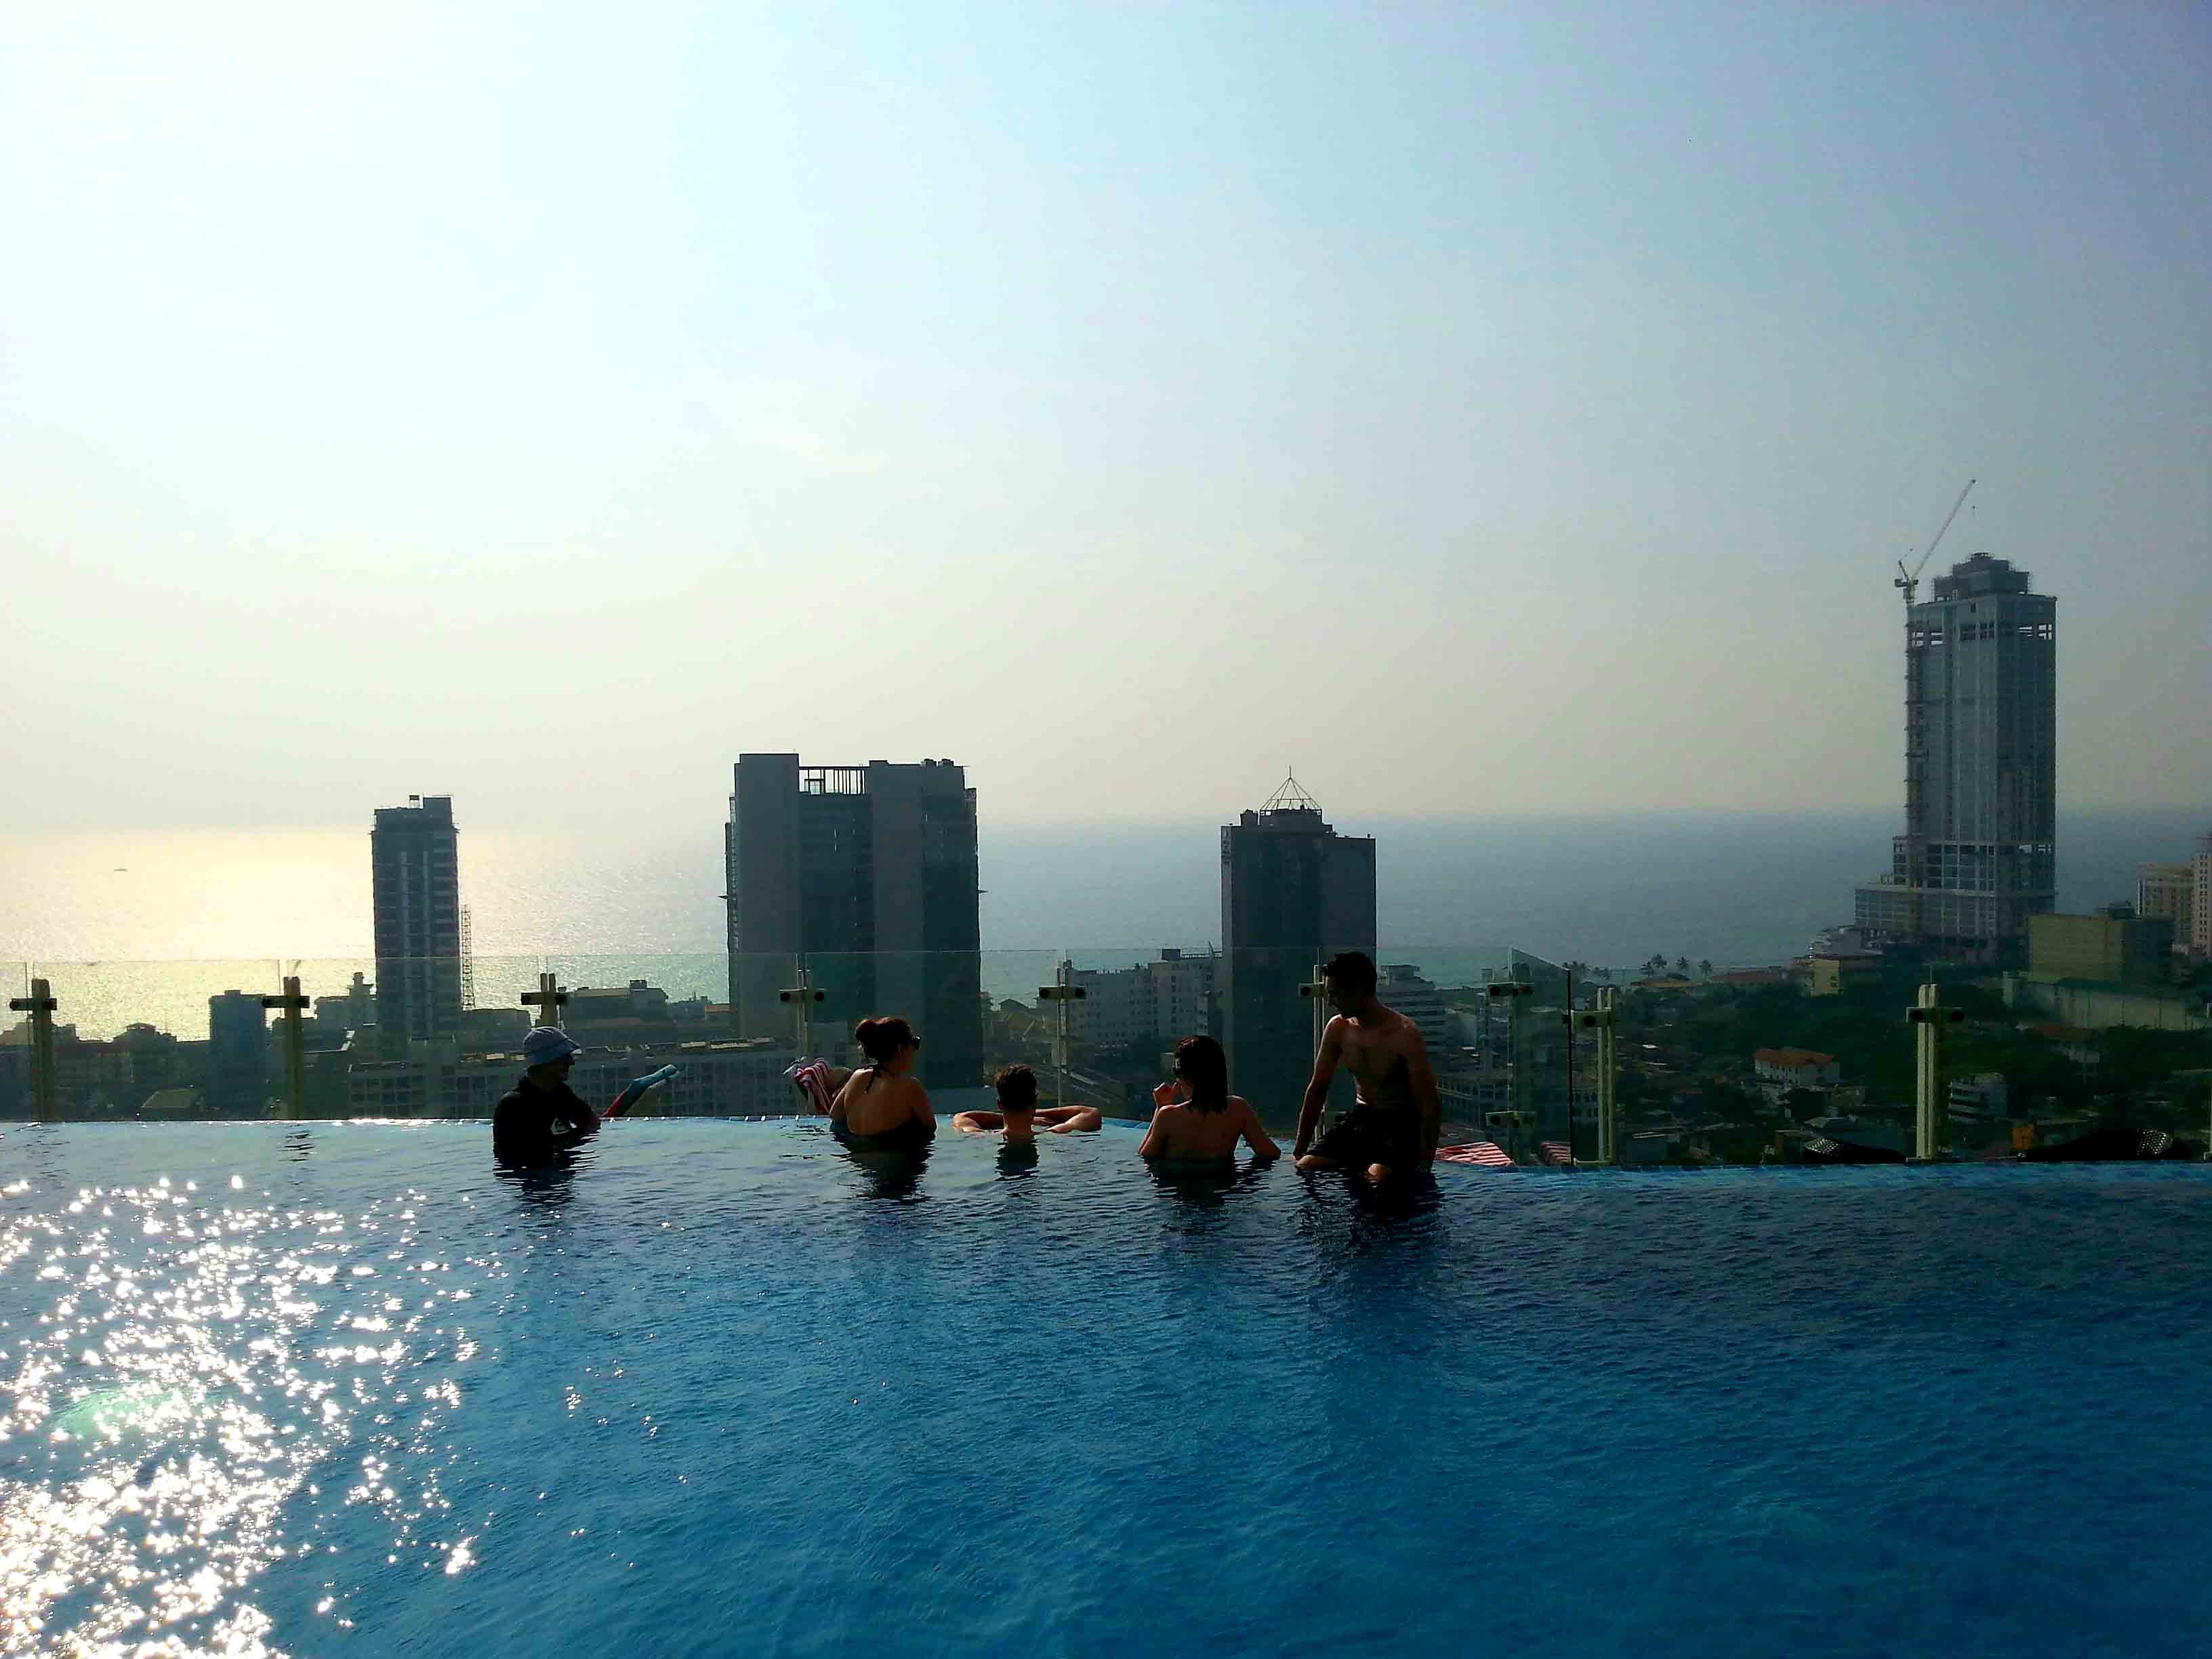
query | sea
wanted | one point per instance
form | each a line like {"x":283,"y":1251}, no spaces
{"x":145,"y":925}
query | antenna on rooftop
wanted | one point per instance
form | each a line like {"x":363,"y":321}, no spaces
{"x":1291,"y":798}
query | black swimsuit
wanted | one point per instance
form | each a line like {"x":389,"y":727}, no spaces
{"x":911,"y":1136}
{"x":1386,"y":1131}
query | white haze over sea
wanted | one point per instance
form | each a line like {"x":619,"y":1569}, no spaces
{"x":171,"y":916}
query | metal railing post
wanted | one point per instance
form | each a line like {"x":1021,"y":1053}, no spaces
{"x":1929,"y":1016}
{"x":1608,"y":1128}
{"x":293,"y":1030}
{"x":1062,"y":991}
{"x":1520,"y":1083}
{"x":549,"y":999}
{"x":802,"y":997}
{"x":40,"y":1006}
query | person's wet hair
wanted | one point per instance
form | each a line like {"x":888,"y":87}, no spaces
{"x":882,"y":1036}
{"x":1017,"y":1089}
{"x":1352,"y":972}
{"x":1200,"y":1062}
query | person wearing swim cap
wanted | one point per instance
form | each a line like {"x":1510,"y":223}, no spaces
{"x":542,"y":1118}
{"x":1019,"y":1117}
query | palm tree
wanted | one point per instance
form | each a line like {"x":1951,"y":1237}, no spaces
{"x":1704,"y":968}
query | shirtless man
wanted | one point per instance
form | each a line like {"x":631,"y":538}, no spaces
{"x":1391,"y":1129}
{"x":1019,"y":1117}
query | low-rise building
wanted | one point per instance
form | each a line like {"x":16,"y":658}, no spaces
{"x":2115,"y":945}
{"x":1982,"y":1096}
{"x":1780,"y":1070}
{"x":732,"y":1078}
{"x":2169,"y":891}
{"x":1830,"y":973}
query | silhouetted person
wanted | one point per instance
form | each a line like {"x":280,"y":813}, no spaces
{"x":1391,"y":1129}
{"x":883,"y":1103}
{"x":1019,"y":1117}
{"x":1196,"y":1119}
{"x":542,"y":1117}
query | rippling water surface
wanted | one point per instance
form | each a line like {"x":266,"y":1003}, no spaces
{"x":722,"y":1388}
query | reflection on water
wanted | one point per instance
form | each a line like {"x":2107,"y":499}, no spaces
{"x":1205,"y":1184}
{"x":1017,"y":1158}
{"x":887,"y":1172}
{"x":196,"y":1358}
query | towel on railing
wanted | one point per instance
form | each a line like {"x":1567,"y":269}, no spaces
{"x":811,"y":1079}
{"x":1485,"y":1153}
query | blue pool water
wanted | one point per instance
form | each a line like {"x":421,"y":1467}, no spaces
{"x":339,"y":1388}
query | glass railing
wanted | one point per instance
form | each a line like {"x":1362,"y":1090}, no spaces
{"x":1538,"y":1063}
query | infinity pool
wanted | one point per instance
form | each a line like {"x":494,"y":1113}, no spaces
{"x":339,"y":1388}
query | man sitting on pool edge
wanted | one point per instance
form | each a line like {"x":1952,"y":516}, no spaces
{"x":1020,"y":1116}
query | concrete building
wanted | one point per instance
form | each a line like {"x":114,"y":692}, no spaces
{"x":2200,"y":899}
{"x":1830,"y":975}
{"x":1149,"y":1005}
{"x":414,"y":860}
{"x":2169,"y":890}
{"x":1977,"y":855}
{"x":1293,"y":893}
{"x":869,"y":873}
{"x":732,"y":1078}
{"x":1983,"y":1095}
{"x":1422,"y":1002}
{"x":1781,"y":1070}
{"x":350,"y":1009}
{"x":2115,"y":946}
{"x":238,"y":1056}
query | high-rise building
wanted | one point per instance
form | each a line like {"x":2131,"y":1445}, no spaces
{"x":868,"y":873}
{"x":414,"y":859}
{"x":2169,"y":890}
{"x":2200,"y":899}
{"x":238,"y":1046}
{"x":1977,"y":857}
{"x":1293,"y":893}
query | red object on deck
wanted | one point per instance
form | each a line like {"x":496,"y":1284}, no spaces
{"x":1485,"y":1153}
{"x":1554,"y":1151}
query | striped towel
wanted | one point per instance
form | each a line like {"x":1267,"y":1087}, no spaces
{"x":1554,"y":1151}
{"x":1484,"y":1152}
{"x":811,"y":1079}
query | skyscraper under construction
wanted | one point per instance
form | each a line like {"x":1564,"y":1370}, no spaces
{"x":1977,"y":857}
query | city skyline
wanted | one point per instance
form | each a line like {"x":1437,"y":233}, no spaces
{"x":1547,"y":390}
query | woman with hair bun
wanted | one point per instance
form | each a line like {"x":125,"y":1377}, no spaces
{"x":883,"y":1103}
{"x":1199,"y":1120}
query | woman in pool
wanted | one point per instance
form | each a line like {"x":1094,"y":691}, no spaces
{"x":1199,"y":1120}
{"x":883,"y":1104}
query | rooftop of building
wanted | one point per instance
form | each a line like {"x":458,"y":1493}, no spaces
{"x":1791,"y":1060}
{"x":1983,"y":573}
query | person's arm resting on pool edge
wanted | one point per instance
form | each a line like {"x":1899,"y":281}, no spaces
{"x":978,"y":1123}
{"x":1324,"y":1073}
{"x":1068,"y":1120}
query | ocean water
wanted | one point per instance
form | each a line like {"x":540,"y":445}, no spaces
{"x":727,"y":1386}
{"x":172,"y":916}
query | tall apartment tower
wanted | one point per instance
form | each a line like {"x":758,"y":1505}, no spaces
{"x":2200,"y":899}
{"x":413,"y":853}
{"x":1977,"y":857}
{"x":1293,"y":893}
{"x":869,"y":872}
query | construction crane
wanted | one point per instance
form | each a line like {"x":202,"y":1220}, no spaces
{"x":1910,"y":579}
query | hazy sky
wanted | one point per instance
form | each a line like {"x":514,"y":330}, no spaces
{"x":1484,"y":408}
